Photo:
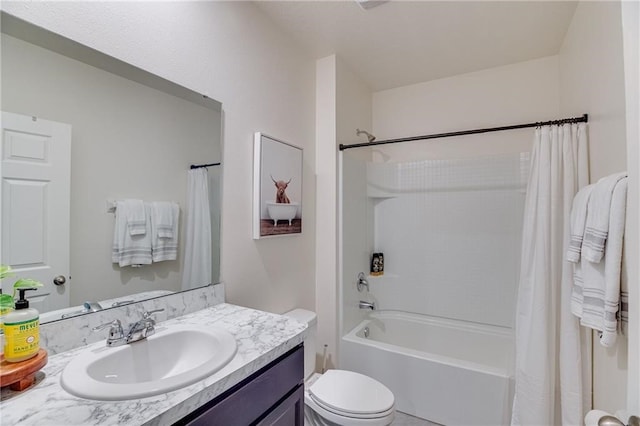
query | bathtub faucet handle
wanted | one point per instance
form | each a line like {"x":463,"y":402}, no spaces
{"x":362,"y":282}
{"x":367,"y":305}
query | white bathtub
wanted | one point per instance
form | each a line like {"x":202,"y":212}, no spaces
{"x":281,"y":211}
{"x":446,"y":371}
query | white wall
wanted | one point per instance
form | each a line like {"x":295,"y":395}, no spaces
{"x":232,"y":53}
{"x":512,"y":94}
{"x":631,"y":41}
{"x":326,"y":199}
{"x":592,"y":81}
{"x":343,"y":104}
{"x":117,"y":125}
{"x":354,"y":111}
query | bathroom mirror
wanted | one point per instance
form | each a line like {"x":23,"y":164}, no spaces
{"x":133,"y":135}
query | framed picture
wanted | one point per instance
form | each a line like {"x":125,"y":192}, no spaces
{"x":277,"y":187}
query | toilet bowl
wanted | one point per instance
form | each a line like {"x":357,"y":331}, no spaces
{"x":340,"y":397}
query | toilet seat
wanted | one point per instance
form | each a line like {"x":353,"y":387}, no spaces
{"x":339,"y":419}
{"x":352,"y":395}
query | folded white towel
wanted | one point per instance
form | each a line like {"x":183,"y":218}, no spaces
{"x":596,"y":293}
{"x":162,"y":219}
{"x":578,"y":220}
{"x":613,"y":263}
{"x":623,"y":314}
{"x":130,"y":250}
{"x":599,"y":206}
{"x":136,"y":217}
{"x":164,"y":247}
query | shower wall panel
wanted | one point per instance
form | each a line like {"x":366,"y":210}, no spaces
{"x":450,"y":231}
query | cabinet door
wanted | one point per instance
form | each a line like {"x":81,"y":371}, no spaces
{"x":289,"y":412}
{"x":248,"y":401}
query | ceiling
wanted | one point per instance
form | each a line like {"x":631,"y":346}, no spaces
{"x":404,"y":42}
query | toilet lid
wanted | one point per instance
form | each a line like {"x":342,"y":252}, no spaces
{"x":352,"y":393}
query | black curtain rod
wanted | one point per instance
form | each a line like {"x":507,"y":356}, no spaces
{"x":583,"y":119}
{"x":200,"y":166}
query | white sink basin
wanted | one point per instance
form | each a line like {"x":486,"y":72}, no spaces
{"x":172,"y":358}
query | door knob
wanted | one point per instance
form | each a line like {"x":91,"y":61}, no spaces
{"x":59,"y":280}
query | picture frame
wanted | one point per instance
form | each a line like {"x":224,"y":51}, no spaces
{"x":277,"y":187}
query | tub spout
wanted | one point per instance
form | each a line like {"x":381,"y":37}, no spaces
{"x":367,"y":305}
{"x":91,"y":306}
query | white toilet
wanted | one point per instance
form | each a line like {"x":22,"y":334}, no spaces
{"x":339,"y":397}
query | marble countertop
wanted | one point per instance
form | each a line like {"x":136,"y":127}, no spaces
{"x":261,"y":338}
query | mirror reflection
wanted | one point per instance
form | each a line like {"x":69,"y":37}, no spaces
{"x":78,"y":141}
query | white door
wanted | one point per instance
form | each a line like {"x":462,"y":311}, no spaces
{"x":34,"y":206}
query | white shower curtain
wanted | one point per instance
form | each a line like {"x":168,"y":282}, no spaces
{"x":197,"y":256}
{"x":553,"y":381}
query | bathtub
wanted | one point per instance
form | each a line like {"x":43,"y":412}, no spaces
{"x":446,"y":371}
{"x":281,"y":211}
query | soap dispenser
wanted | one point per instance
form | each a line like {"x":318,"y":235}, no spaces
{"x":21,"y":330}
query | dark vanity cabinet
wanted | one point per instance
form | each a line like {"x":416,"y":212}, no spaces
{"x":273,"y":396}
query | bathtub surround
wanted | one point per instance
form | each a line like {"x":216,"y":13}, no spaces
{"x":559,"y":169}
{"x":434,"y":216}
{"x":261,"y":338}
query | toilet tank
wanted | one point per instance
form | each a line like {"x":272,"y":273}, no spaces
{"x":309,"y":318}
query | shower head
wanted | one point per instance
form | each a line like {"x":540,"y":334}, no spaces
{"x":370,"y":137}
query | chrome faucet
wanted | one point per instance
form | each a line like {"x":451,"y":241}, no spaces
{"x":367,"y":305}
{"x":144,"y":328}
{"x":139,"y":330}
{"x":116,"y":334}
{"x":91,"y":306}
{"x":86,"y":308}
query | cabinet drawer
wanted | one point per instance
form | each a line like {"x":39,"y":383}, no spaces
{"x":252,"y":398}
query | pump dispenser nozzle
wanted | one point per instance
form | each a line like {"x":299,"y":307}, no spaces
{"x":23,"y":303}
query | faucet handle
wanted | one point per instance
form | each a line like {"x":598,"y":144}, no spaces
{"x":362,"y":282}
{"x":147,"y":314}
{"x":115,"y":323}
{"x":116,"y":333}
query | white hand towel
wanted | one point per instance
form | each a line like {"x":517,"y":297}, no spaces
{"x":136,"y":217}
{"x":623,"y":316}
{"x":596,"y":227}
{"x":130,"y":250}
{"x":597,"y":286}
{"x":613,"y":263}
{"x":578,"y":220}
{"x":162,"y":218}
{"x":162,"y":247}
